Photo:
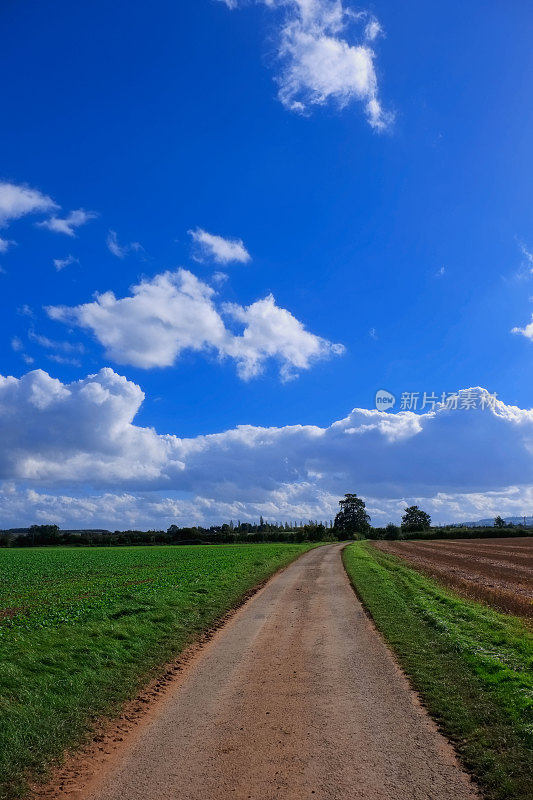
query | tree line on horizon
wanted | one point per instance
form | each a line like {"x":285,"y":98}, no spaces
{"x":351,"y":522}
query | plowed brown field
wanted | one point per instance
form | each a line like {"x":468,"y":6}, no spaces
{"x":496,"y":571}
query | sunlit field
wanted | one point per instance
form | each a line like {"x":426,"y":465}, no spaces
{"x":81,"y":629}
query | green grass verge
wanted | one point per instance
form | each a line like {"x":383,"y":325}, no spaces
{"x":81,"y":630}
{"x":470,"y":664}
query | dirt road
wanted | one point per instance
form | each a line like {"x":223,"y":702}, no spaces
{"x":296,"y":697}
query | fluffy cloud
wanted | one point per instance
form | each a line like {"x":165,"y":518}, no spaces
{"x":457,"y":463}
{"x":17,"y":200}
{"x":148,"y":510}
{"x":175,"y":311}
{"x":68,"y":224}
{"x":122,"y":510}
{"x":321,"y":62}
{"x":526,"y":331}
{"x":164,"y":316}
{"x":216,"y":248}
{"x":273,"y":332}
{"x":372,"y":29}
{"x":79,"y":432}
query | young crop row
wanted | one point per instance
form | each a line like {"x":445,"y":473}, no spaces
{"x":48,"y":587}
{"x":82,"y":630}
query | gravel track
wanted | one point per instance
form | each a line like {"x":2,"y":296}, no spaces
{"x":296,"y":696}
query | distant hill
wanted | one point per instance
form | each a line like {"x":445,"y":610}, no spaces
{"x":487,"y":523}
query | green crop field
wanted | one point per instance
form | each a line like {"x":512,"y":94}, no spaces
{"x":81,"y":629}
{"x":471,"y":665}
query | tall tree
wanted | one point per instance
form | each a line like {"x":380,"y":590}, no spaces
{"x":352,"y":518}
{"x":392,"y":531}
{"x":414,"y":519}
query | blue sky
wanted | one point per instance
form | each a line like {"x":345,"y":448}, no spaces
{"x":373,"y":161}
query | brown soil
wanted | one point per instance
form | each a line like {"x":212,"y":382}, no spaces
{"x":496,"y":571}
{"x":12,"y":611}
{"x":295,"y":697}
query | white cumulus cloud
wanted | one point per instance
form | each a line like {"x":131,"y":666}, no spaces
{"x":325,"y":54}
{"x":17,"y":200}
{"x":162,"y":317}
{"x":175,"y":311}
{"x":273,"y":332}
{"x":459,"y":463}
{"x":526,"y":331}
{"x":86,"y":423}
{"x":122,"y":510}
{"x":219,"y":249}
{"x":372,"y":29}
{"x":68,"y":224}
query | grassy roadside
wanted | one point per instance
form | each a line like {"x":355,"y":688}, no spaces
{"x":471,"y":665}
{"x":81,"y":630}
